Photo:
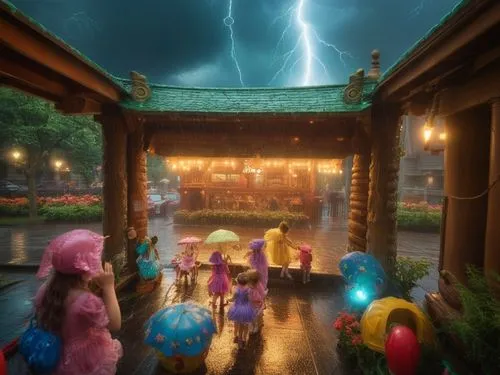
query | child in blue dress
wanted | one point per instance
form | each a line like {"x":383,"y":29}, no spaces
{"x":241,"y":311}
{"x":148,"y":261}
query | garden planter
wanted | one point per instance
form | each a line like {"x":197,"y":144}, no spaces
{"x":447,"y":285}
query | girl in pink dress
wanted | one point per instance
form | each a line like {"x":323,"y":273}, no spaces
{"x":219,"y":283}
{"x":188,"y":261}
{"x":305,"y":258}
{"x":66,"y":307}
{"x":257,"y":295}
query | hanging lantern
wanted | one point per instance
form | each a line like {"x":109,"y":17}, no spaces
{"x":434,"y":134}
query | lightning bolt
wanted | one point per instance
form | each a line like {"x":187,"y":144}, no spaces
{"x":303,"y":50}
{"x":415,"y":12}
{"x":229,"y":21}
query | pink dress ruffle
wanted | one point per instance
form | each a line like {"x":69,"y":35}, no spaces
{"x":88,"y":348}
{"x":305,"y":260}
{"x":219,"y":282}
{"x":187,"y":263}
{"x":257,"y":295}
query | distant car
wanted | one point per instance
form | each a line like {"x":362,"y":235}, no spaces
{"x":174,"y":200}
{"x":8,"y":189}
{"x":157,"y":206}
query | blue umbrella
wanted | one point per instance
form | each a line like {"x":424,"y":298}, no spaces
{"x":184,"y":329}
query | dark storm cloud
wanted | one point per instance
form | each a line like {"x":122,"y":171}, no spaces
{"x":185,"y":42}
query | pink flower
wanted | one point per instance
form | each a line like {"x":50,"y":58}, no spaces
{"x":357,"y":340}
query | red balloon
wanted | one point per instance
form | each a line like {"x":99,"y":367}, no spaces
{"x":3,"y":365}
{"x":402,"y":351}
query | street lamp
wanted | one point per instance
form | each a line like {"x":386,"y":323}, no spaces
{"x":16,"y":155}
{"x":58,"y":164}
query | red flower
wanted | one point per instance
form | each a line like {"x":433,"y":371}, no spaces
{"x":357,"y":340}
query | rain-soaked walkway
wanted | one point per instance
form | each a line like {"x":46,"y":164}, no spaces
{"x":24,"y":245}
{"x":297,"y":339}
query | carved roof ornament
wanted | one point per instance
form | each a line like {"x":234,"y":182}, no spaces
{"x":353,"y":93}
{"x":374,"y":72}
{"x":140,"y":88}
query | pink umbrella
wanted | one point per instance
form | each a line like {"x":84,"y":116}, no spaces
{"x":189,"y":240}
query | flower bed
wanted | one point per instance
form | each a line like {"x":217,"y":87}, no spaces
{"x":68,"y":208}
{"x":242,"y":218}
{"x":419,"y":217}
{"x":360,"y":359}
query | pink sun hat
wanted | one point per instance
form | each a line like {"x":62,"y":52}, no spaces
{"x":76,"y":252}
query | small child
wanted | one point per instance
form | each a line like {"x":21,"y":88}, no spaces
{"x":188,"y":261}
{"x":258,"y":260}
{"x":241,"y":311}
{"x":148,"y":261}
{"x":257,"y":297}
{"x":305,"y":258}
{"x":219,"y":283}
{"x":176,"y":261}
{"x":67,"y":308}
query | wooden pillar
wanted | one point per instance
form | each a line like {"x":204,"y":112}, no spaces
{"x":358,"y":202}
{"x":137,"y":199}
{"x":492,"y":243}
{"x":115,"y":184}
{"x":383,"y":188}
{"x":466,"y":176}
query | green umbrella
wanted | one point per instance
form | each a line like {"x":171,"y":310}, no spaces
{"x":222,"y":236}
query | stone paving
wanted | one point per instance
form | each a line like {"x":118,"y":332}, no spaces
{"x":24,"y":245}
{"x":297,"y":339}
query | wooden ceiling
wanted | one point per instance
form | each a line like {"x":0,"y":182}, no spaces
{"x":299,"y":137}
{"x":36,"y":62}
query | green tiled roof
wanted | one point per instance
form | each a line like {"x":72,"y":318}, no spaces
{"x":319,"y":99}
{"x":404,"y":57}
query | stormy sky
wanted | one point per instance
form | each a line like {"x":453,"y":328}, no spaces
{"x":188,"y":42}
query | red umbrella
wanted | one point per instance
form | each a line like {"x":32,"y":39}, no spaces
{"x":189,"y":240}
{"x":3,"y":365}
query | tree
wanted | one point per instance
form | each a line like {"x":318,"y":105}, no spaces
{"x":157,"y":169}
{"x":33,"y":126}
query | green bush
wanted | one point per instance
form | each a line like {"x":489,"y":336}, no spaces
{"x":13,"y":211}
{"x":478,"y":327}
{"x":242,"y":218}
{"x":418,"y":220}
{"x":74,"y":214}
{"x":407,"y":272}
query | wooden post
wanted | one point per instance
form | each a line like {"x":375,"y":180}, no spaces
{"x":466,"y":175}
{"x":492,"y":243}
{"x":137,"y":198}
{"x":115,"y":184}
{"x":383,"y":188}
{"x":358,"y":202}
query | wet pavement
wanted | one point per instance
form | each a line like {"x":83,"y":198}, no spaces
{"x":24,"y":245}
{"x":297,"y":338}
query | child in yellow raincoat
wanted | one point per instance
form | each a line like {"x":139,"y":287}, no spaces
{"x":280,"y":247}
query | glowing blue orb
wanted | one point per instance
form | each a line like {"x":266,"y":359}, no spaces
{"x":228,"y":21}
{"x":361,"y":295}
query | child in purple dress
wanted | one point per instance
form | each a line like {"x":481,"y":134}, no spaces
{"x":257,"y":296}
{"x":219,"y":283}
{"x":258,"y":260}
{"x":241,"y":311}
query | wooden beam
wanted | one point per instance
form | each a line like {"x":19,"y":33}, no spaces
{"x":245,"y":146}
{"x":486,"y":58}
{"x":476,"y":91}
{"x":18,"y":85}
{"x":446,"y":42}
{"x":35,"y":44}
{"x":31,"y":78}
{"x":77,"y":104}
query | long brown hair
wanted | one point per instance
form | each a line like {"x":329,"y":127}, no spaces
{"x":52,"y":310}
